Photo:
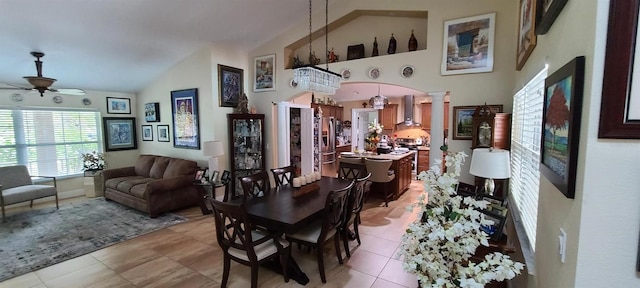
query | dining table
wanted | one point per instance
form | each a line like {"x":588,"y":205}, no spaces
{"x":282,"y":213}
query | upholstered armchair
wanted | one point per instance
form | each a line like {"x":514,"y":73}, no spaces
{"x":16,"y":186}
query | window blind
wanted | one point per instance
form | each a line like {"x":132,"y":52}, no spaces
{"x":48,"y":142}
{"x":525,"y":153}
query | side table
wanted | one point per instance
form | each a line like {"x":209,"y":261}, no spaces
{"x":93,"y":186}
{"x":208,"y":190}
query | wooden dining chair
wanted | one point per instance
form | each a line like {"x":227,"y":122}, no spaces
{"x":318,"y":233}
{"x":284,"y":175}
{"x":255,"y":185}
{"x":351,"y":168}
{"x":354,"y":206}
{"x":250,"y":247}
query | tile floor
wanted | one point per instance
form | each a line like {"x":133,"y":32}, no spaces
{"x":187,"y":255}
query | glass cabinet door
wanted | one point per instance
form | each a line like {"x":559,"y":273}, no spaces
{"x":246,"y":135}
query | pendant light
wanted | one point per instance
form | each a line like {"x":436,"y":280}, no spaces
{"x":378,"y":101}
{"x":315,"y":79}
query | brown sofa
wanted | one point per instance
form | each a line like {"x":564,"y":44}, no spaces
{"x":156,"y":184}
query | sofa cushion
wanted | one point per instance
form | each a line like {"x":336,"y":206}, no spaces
{"x":158,"y":167}
{"x":178,"y":167}
{"x":139,"y":190}
{"x":144,"y":164}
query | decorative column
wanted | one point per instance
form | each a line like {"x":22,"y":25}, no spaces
{"x":437,"y":126}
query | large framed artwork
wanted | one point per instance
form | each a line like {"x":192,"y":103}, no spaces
{"x":547,"y":12}
{"x":118,"y":105}
{"x":152,"y":112}
{"x":264,"y":77}
{"x":620,"y":107}
{"x":468,"y":45}
{"x":561,"y":125}
{"x":119,"y":133}
{"x":526,"y":33}
{"x":230,"y":83}
{"x":186,"y":127}
{"x":463,"y":116}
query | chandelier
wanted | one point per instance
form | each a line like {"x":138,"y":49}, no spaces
{"x":315,"y":79}
{"x":378,"y":101}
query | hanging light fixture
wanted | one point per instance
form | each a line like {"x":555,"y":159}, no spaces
{"x":312,"y":78}
{"x":378,"y":101}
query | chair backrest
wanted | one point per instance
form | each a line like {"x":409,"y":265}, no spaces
{"x":335,"y":210}
{"x":14,"y":176}
{"x":379,"y":169}
{"x":351,"y":170}
{"x":232,"y":226}
{"x":284,"y":175}
{"x":356,"y":196}
{"x":255,"y":185}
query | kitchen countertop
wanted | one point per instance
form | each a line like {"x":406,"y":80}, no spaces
{"x":383,"y":156}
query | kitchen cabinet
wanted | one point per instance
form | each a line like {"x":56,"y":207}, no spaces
{"x":423,"y":160}
{"x":426,"y":115}
{"x":246,"y":145}
{"x":330,"y":110}
{"x":388,"y":116}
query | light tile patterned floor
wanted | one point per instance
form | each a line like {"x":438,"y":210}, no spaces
{"x":187,"y":255}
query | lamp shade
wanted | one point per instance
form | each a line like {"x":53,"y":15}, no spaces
{"x":490,"y":163}
{"x":212,"y":148}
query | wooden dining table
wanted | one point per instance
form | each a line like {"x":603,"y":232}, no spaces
{"x":280,"y":212}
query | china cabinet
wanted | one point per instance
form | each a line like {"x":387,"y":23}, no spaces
{"x":246,"y":145}
{"x":490,"y":129}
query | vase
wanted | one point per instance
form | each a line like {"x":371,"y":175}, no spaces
{"x":413,"y":42}
{"x":374,"y":53}
{"x":392,"y":45}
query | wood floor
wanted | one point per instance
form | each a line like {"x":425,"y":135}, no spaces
{"x":187,"y":255}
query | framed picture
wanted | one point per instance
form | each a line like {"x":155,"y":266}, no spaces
{"x":468,"y":45}
{"x":199,"y":174}
{"x":547,"y":12}
{"x":355,"y":52}
{"x":163,"y":133}
{"x":184,"y":111}
{"x":147,"y":133}
{"x":620,"y":107}
{"x":230,"y":83}
{"x":119,"y":133}
{"x":118,"y":105}
{"x":226,"y":176}
{"x":152,"y":112}
{"x":561,"y":125}
{"x":214,"y":176}
{"x":462,"y":115}
{"x":264,"y":77}
{"x":526,"y":32}
{"x":493,"y":230}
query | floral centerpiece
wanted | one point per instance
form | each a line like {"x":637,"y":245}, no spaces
{"x":438,"y":246}
{"x":373,"y":137}
{"x":93,"y":161}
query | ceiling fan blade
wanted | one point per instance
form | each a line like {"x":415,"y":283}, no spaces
{"x":14,"y":87}
{"x":68,"y":91}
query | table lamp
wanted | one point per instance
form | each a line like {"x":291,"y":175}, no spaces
{"x":491,"y":164}
{"x":213,"y":149}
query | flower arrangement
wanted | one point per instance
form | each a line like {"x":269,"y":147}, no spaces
{"x":438,"y":246}
{"x":93,"y":161}
{"x":375,"y":129}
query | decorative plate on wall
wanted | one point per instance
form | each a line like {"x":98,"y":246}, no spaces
{"x":346,"y":74}
{"x":293,"y":83}
{"x":57,"y":99}
{"x":17,"y":97}
{"x":86,"y":101}
{"x":407,"y":71}
{"x":374,"y":73}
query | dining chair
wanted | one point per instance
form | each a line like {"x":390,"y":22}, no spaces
{"x":250,"y":247}
{"x":354,"y":206}
{"x":284,"y":175}
{"x":255,"y":185}
{"x":318,"y":233}
{"x":380,"y":173}
{"x":225,"y":179}
{"x":351,"y":168}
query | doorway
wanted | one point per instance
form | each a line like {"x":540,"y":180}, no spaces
{"x":360,"y":119}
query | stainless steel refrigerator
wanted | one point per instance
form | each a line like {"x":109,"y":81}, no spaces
{"x":328,"y":147}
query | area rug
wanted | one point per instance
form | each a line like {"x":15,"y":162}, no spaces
{"x":39,"y":238}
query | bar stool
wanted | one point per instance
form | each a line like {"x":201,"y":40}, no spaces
{"x":380,"y":173}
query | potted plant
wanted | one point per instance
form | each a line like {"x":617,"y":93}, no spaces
{"x":438,"y":247}
{"x":93,"y":162}
{"x":375,"y":129}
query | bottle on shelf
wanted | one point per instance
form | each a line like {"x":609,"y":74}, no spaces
{"x":413,"y":42}
{"x":392,"y":45}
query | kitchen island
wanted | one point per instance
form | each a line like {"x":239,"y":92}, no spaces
{"x":401,"y":166}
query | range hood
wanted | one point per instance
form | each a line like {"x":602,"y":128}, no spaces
{"x":409,"y":121}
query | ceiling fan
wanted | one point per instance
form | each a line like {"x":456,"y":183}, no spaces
{"x":40,"y":83}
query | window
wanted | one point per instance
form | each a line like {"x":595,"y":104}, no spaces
{"x":525,"y":154}
{"x":48,"y":142}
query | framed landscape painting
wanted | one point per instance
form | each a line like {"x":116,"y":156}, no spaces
{"x":561,"y":125}
{"x":468,"y":45}
{"x":463,"y":116}
{"x":264,"y":77}
{"x":118,"y":105}
{"x":186,"y":127}
{"x":230,"y":83}
{"x":119,"y":133}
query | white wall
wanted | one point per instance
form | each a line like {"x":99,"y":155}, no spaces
{"x":467,"y":89}
{"x":602,"y":221}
